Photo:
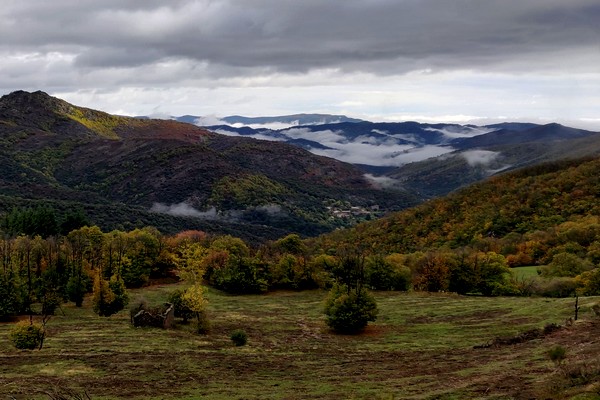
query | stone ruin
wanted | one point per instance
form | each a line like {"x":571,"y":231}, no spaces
{"x":158,"y":317}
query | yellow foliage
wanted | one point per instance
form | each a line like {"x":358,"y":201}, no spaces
{"x":194,"y":298}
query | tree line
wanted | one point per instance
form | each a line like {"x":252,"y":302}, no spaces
{"x":50,"y":270}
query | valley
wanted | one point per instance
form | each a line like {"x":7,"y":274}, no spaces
{"x":451,"y":277}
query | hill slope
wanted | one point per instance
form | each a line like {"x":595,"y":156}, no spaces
{"x":52,"y":151}
{"x":528,"y":200}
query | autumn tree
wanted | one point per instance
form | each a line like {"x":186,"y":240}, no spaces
{"x":109,"y":297}
{"x":231,"y":267}
{"x":191,"y":268}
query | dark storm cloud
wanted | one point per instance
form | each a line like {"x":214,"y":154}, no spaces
{"x":250,"y":36}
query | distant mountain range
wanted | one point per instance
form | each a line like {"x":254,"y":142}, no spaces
{"x":282,"y":120}
{"x":431,"y":159}
{"x":427,"y":160}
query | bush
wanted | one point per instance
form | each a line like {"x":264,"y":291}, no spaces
{"x":566,"y":265}
{"x":182,"y":310}
{"x":349,"y":311}
{"x":557,"y":354}
{"x":555,"y":287}
{"x":239,"y":337}
{"x":27,"y":336}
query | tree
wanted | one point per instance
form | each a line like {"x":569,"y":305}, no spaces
{"x":589,"y":282}
{"x":349,"y":307}
{"x":182,"y":310}
{"x":493,"y":272}
{"x":72,"y":220}
{"x":349,"y":310}
{"x":433,"y":271}
{"x":566,"y":265}
{"x":196,"y":302}
{"x":229,"y":267}
{"x":31,"y":221}
{"x":387,"y":273}
{"x":103,"y":296}
{"x":109,"y":297}
{"x":192,"y":268}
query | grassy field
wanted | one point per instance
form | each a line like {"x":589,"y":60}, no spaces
{"x":526,"y":272}
{"x":421,"y":347}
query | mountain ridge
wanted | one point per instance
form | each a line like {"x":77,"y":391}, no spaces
{"x":54,"y":151}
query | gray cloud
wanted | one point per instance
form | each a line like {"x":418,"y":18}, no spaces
{"x":379,"y":36}
{"x":382,"y":181}
{"x":484,"y":58}
{"x":479,"y":157}
{"x":184,"y":210}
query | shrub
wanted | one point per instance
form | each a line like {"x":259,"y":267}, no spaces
{"x":239,"y":337}
{"x":555,"y":287}
{"x":182,"y":310}
{"x":27,"y":336}
{"x":349,"y":311}
{"x":557,"y":354}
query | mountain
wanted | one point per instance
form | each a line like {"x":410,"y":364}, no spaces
{"x":480,"y":157}
{"x":294,"y":119}
{"x":281,"y":120}
{"x":128,"y":172}
{"x":373,"y":144}
{"x":433,"y":159}
{"x":544,"y":133}
{"x":525,"y":203}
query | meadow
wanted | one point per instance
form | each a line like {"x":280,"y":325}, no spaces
{"x":422,"y":346}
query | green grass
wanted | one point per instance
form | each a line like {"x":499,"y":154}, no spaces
{"x":420,"y":347}
{"x":526,"y":272}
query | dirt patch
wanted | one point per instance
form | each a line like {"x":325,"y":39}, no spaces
{"x":526,"y":336}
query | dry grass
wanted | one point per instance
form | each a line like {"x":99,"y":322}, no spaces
{"x":421,"y":347}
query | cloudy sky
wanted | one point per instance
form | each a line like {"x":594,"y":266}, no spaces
{"x":426,"y":60}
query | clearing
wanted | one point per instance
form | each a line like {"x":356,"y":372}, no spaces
{"x":421,"y":347}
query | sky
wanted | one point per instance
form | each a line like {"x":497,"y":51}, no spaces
{"x":479,"y":61}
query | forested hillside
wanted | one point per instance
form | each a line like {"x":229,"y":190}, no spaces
{"x":127,"y":173}
{"x":522,"y":202}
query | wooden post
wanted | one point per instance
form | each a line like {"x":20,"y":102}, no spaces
{"x":576,"y":306}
